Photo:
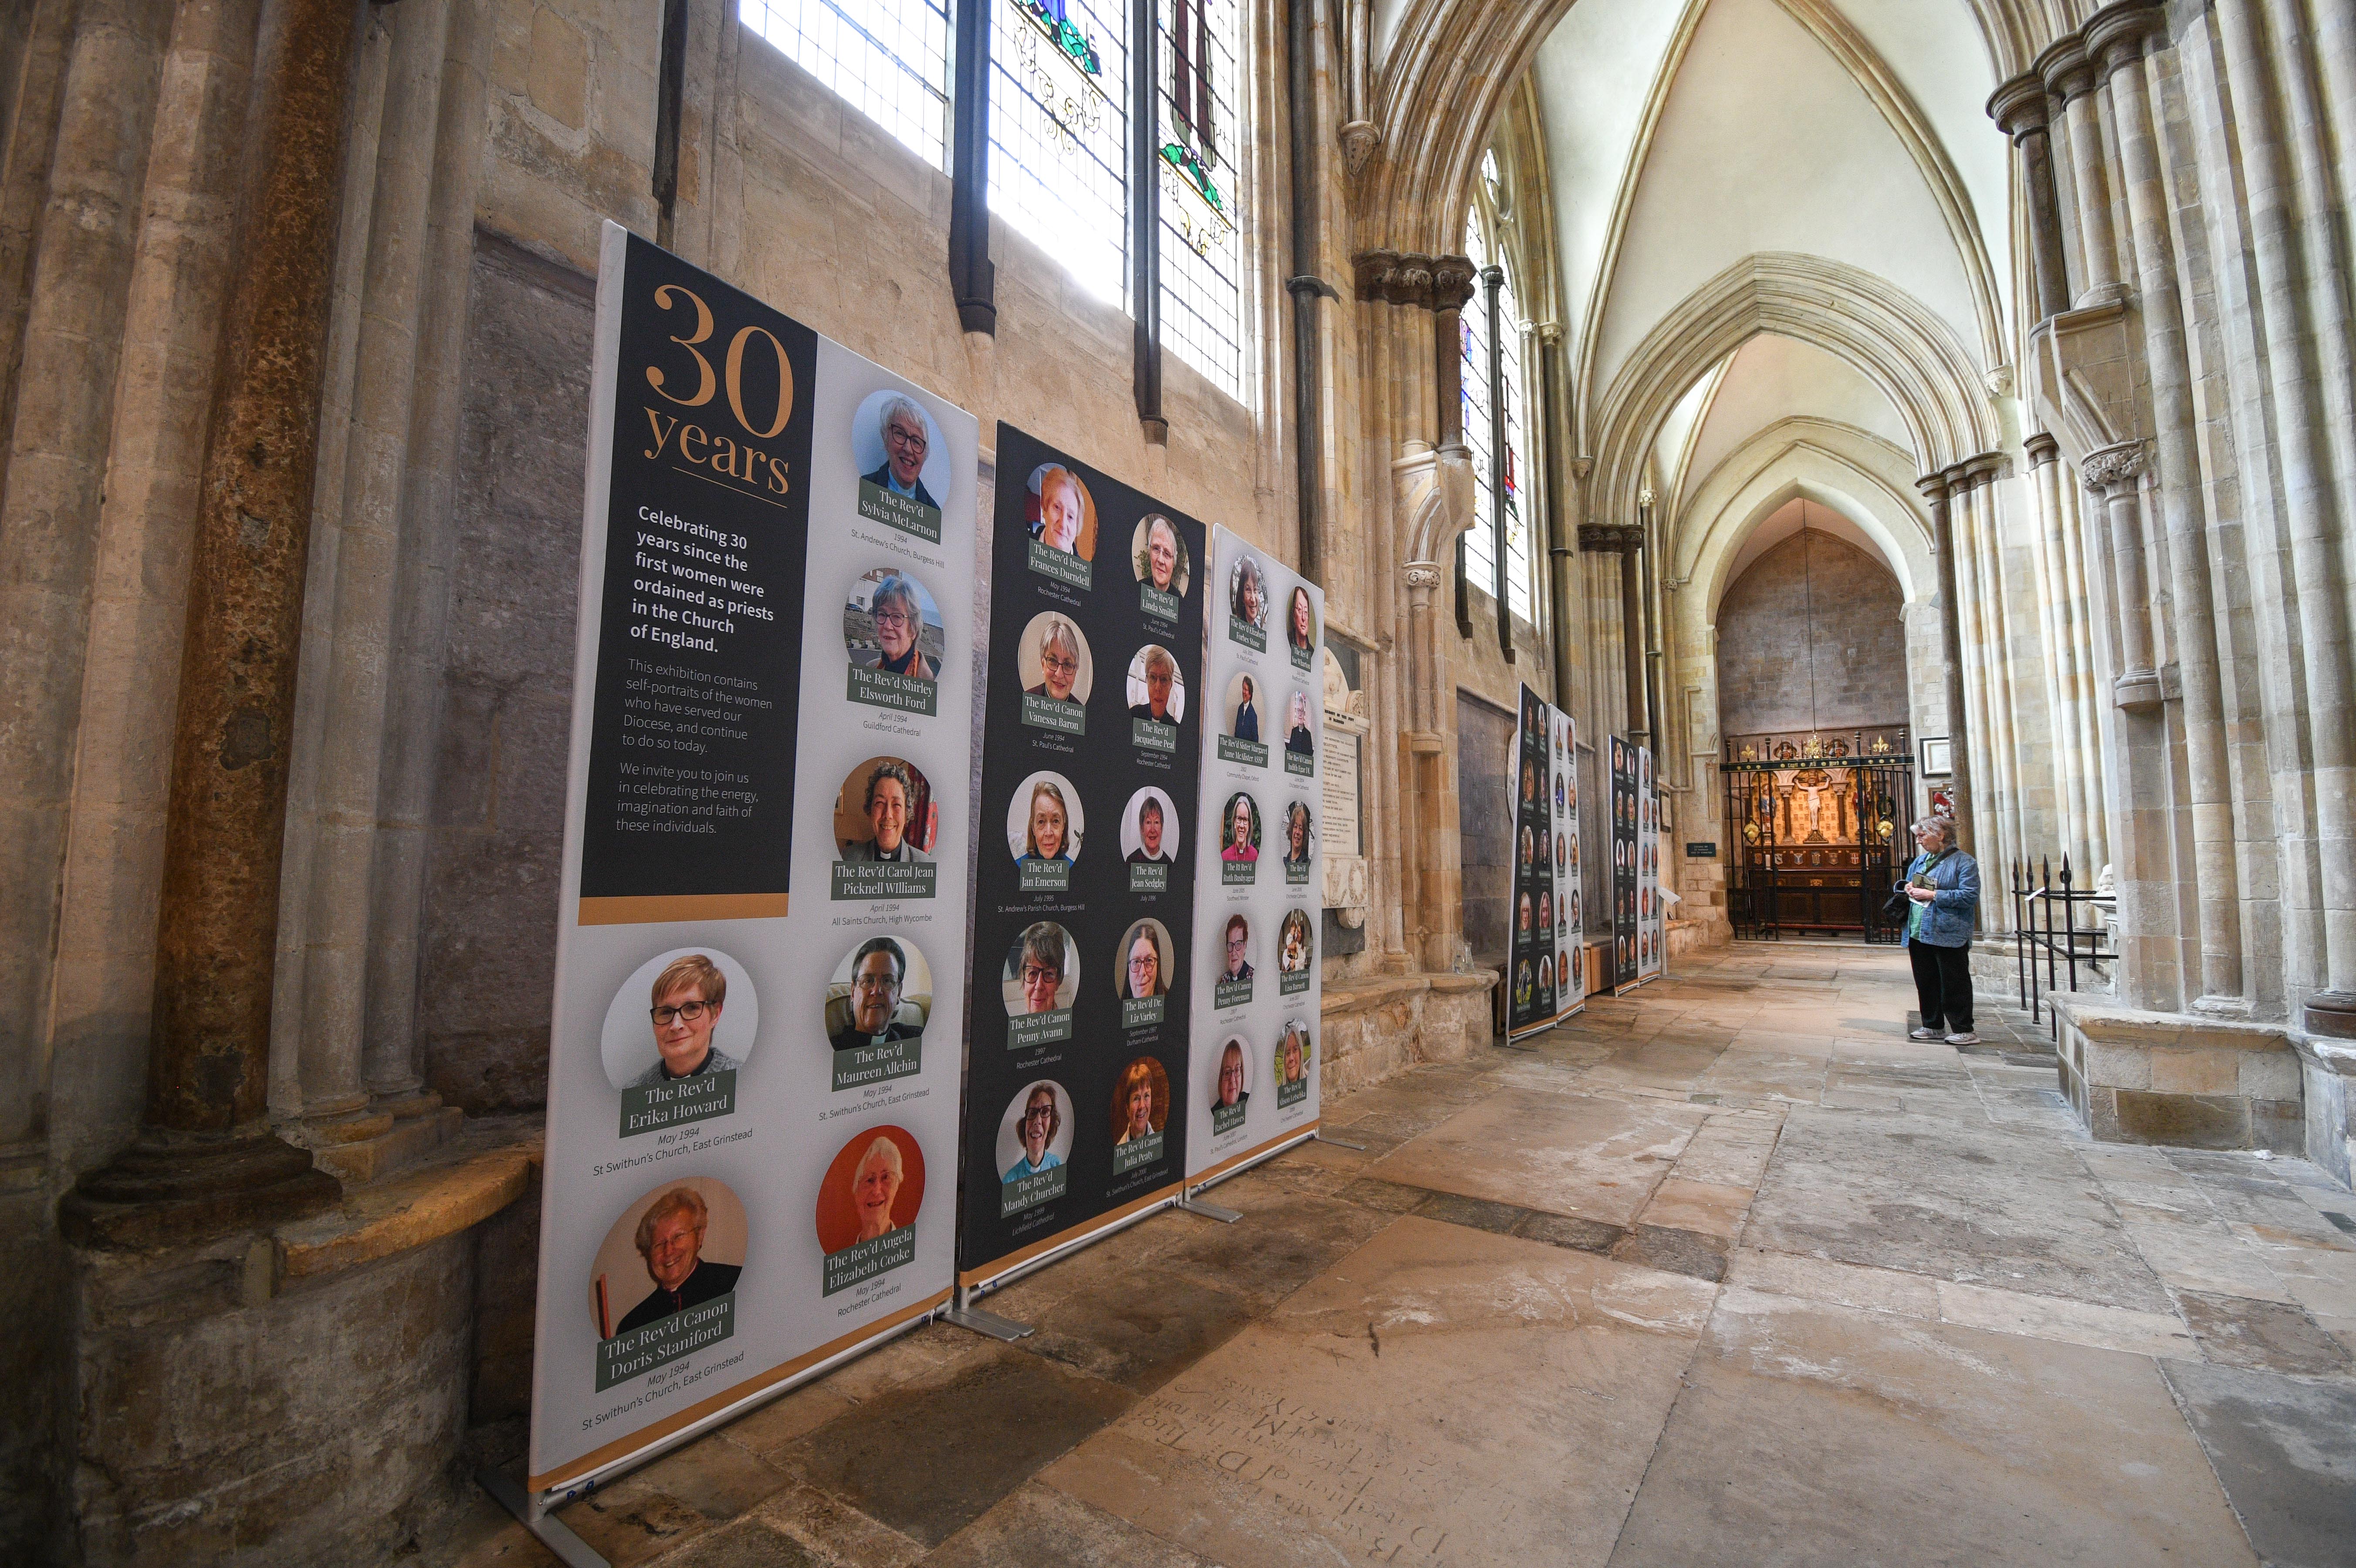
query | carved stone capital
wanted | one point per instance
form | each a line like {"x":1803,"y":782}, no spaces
{"x":2042,"y":448}
{"x":2120,"y":35}
{"x":2018,"y":106}
{"x":1421,"y":577}
{"x":1609,"y":538}
{"x":1451,"y":282}
{"x":2110,"y":466}
{"x":1360,"y":141}
{"x":2067,"y":72}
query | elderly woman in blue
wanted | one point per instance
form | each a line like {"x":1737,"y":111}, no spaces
{"x":1943,"y":886}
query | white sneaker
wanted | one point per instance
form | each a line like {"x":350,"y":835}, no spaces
{"x":1924,"y":1034}
{"x":1966,"y":1037}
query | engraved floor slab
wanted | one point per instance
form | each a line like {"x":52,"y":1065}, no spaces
{"x":1584,"y":1155}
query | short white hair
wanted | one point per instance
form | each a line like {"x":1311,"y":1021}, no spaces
{"x":1943,"y":825}
{"x":895,"y":405}
{"x":884,"y":1152}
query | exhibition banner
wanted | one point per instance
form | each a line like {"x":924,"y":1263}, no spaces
{"x":1076,"y":1116}
{"x":1545,"y":986}
{"x":753,"y":1050}
{"x":1259,"y":863}
{"x":1651,"y":950}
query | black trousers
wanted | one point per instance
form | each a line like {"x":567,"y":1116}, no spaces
{"x":1943,"y":982}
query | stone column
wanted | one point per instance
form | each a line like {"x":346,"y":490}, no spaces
{"x":2019,"y":110}
{"x":207,"y":1162}
{"x":1935,"y":489}
{"x":2065,"y":607}
{"x":2116,"y":474}
{"x":2070,"y":77}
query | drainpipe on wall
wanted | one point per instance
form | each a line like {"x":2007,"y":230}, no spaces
{"x":1305,"y":286}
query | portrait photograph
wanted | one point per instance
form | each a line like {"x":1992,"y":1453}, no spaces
{"x":1234,"y":949}
{"x":1248,"y":590}
{"x":1061,"y":513}
{"x":1562,"y":967}
{"x":884,"y":811}
{"x":1239,"y":829}
{"x":680,"y":1244}
{"x":1299,"y":834}
{"x":1147,"y":960}
{"x":1295,"y":1055}
{"x":1034,"y":1132}
{"x":1045,"y":819}
{"x":1523,"y":982}
{"x":897,"y":445}
{"x":1042,"y":971}
{"x":890,"y":623}
{"x":1301,"y":726}
{"x":1524,"y":907}
{"x":874,"y":1185}
{"x":1296,"y":943}
{"x":684,"y":1012}
{"x":1141,"y":1100}
{"x":1561,"y":852}
{"x":1156,"y":690}
{"x":1245,"y":713}
{"x":1158,"y":555}
{"x":1149,"y":828}
{"x":1052,"y":659}
{"x":1546,"y":977}
{"x":1301,"y":620}
{"x":1231,"y":1075}
{"x":880,"y":992}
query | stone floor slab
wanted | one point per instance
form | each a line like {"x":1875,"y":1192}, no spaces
{"x":1582,"y":1156}
{"x":1810,"y":1434}
{"x":2262,"y":1336}
{"x":2286,"y":1449}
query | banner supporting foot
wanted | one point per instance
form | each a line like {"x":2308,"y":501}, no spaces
{"x":551,"y":1533}
{"x":987,"y":1323}
{"x":1322,"y":1136}
{"x":1209,"y":1210}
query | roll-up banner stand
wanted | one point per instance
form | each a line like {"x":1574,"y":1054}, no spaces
{"x":1545,"y":982}
{"x":1076,"y":1090}
{"x":1259,"y":865}
{"x":753,"y":1055}
{"x":1634,"y":890}
{"x":1651,"y":952}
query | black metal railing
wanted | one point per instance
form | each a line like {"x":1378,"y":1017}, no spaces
{"x":2057,"y":931}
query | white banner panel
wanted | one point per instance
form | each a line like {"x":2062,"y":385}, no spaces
{"x":1257,"y":1039}
{"x":755,"y":1051}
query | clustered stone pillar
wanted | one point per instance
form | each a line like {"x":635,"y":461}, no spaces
{"x":2019,"y":111}
{"x":206,"y":1161}
{"x":1935,"y":489}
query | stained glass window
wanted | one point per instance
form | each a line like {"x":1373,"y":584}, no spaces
{"x":1202,"y":294}
{"x":1059,"y":133}
{"x":1492,"y":505}
{"x":889,"y":58}
{"x":1473,"y":376}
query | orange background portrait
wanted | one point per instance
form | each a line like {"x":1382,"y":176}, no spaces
{"x":1120,"y":1118}
{"x":837,"y":1225}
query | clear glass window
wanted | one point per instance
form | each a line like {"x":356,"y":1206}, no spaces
{"x":1202,"y":255}
{"x":1059,"y":134}
{"x":889,"y":58}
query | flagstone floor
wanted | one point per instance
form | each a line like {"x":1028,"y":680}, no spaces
{"x":1727,"y":1271}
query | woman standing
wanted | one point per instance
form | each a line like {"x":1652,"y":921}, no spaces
{"x":1943,"y":885}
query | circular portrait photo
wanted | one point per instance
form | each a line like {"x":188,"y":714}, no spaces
{"x":1231,"y":1085}
{"x":1158,"y":556}
{"x":1570,"y":909}
{"x":1529,"y":847}
{"x":1149,"y":828}
{"x":1522,"y":982}
{"x":1300,"y":726}
{"x":874,"y":1186}
{"x":1141,"y":1100}
{"x":1546,"y":910}
{"x":1052,"y":659}
{"x":1524,"y":921}
{"x":683,"y":1013}
{"x":1042,"y":971}
{"x":896,"y":446}
{"x":1301,"y":620}
{"x":1156,"y":690}
{"x":1299,"y":834}
{"x":1545,"y":844}
{"x":1530,"y":781}
{"x":1296,"y":944}
{"x":1242,"y":717}
{"x":1045,"y":820}
{"x":1546,"y":976}
{"x":890,"y":623}
{"x":1148,"y":959}
{"x":1562,"y":967}
{"x":1561,"y":852}
{"x":1239,"y":828}
{"x":881,"y":991}
{"x":1558,"y":807}
{"x":1061,"y":512}
{"x":1035,"y":1132}
{"x":1235,"y":950}
{"x":884,"y":811}
{"x":682,"y":1244}
{"x":1248,"y":590}
{"x":1295,"y":1055}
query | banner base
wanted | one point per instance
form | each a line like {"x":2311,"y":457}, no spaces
{"x":1210,"y":1211}
{"x":1322,"y":1136}
{"x":975,"y":1320}
{"x":551,"y":1533}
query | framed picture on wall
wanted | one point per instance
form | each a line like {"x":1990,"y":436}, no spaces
{"x":1938,"y":758}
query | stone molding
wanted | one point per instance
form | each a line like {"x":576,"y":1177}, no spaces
{"x":2118,"y":35}
{"x":1609,"y":538}
{"x":1361,"y":139}
{"x":2018,"y":106}
{"x":2042,"y":448}
{"x":1427,"y":282}
{"x":2068,"y":73}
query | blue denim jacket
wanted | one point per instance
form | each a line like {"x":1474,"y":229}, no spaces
{"x":1955,"y":899}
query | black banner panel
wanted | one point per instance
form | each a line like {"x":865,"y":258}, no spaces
{"x":1076,"y":1103}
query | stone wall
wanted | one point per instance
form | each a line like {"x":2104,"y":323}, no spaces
{"x":1767,"y":656}
{"x":1484,"y":755}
